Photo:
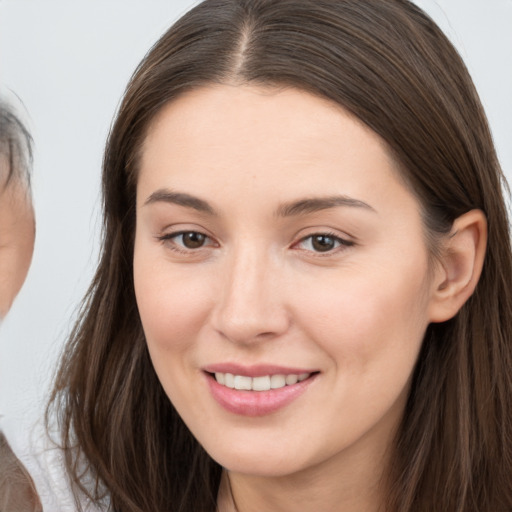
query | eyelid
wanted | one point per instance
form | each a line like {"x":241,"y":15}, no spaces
{"x":168,"y":237}
{"x":344,"y":242}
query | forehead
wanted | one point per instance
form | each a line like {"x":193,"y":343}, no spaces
{"x":4,"y":164}
{"x":15,"y":157}
{"x":252,"y":110}
{"x":264,"y":139}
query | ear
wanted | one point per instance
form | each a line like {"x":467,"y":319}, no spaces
{"x":460,"y":265}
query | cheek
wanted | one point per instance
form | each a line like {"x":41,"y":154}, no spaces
{"x":360,"y":321}
{"x":171,"y":313}
{"x":172,"y":306}
{"x":173,"y":309}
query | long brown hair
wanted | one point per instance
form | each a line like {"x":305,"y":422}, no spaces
{"x":387,"y":63}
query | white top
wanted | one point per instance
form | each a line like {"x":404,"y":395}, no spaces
{"x":45,"y":463}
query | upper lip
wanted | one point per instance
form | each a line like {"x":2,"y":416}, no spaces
{"x":257,"y":370}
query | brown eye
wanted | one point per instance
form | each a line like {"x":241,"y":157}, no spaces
{"x":192,"y":239}
{"x":186,"y":241}
{"x":323,"y":243}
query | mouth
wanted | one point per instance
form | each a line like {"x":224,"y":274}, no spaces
{"x":261,"y":383}
{"x":266,"y":391}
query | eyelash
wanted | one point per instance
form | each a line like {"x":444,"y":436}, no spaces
{"x":340,"y":243}
{"x":169,"y":240}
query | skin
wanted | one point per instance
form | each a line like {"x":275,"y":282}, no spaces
{"x":17,"y":234}
{"x":257,"y":291}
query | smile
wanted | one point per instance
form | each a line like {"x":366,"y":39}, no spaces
{"x":257,"y":390}
{"x":262,"y":383}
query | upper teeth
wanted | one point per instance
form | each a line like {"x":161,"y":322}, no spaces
{"x":263,"y":383}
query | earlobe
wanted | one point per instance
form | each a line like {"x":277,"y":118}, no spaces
{"x":460,"y":265}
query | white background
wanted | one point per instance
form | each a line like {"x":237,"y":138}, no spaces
{"x":69,"y":61}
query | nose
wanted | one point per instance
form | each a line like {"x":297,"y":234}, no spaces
{"x":251,"y":305}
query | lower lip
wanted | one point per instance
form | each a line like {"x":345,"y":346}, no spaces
{"x":256,"y":403}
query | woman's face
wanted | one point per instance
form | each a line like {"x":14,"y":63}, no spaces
{"x":277,"y":251}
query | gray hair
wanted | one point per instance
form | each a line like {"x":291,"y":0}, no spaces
{"x":15,"y":145}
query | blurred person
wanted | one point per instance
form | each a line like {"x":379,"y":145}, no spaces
{"x":17,"y":234}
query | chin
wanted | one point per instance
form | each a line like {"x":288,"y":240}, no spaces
{"x":253,"y":459}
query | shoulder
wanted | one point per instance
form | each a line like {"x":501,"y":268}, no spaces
{"x":17,"y":490}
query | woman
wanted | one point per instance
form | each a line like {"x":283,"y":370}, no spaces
{"x":303,"y":296}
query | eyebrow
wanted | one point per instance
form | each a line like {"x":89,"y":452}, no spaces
{"x":315,"y":204}
{"x":181,"y":199}
{"x":291,"y":209}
